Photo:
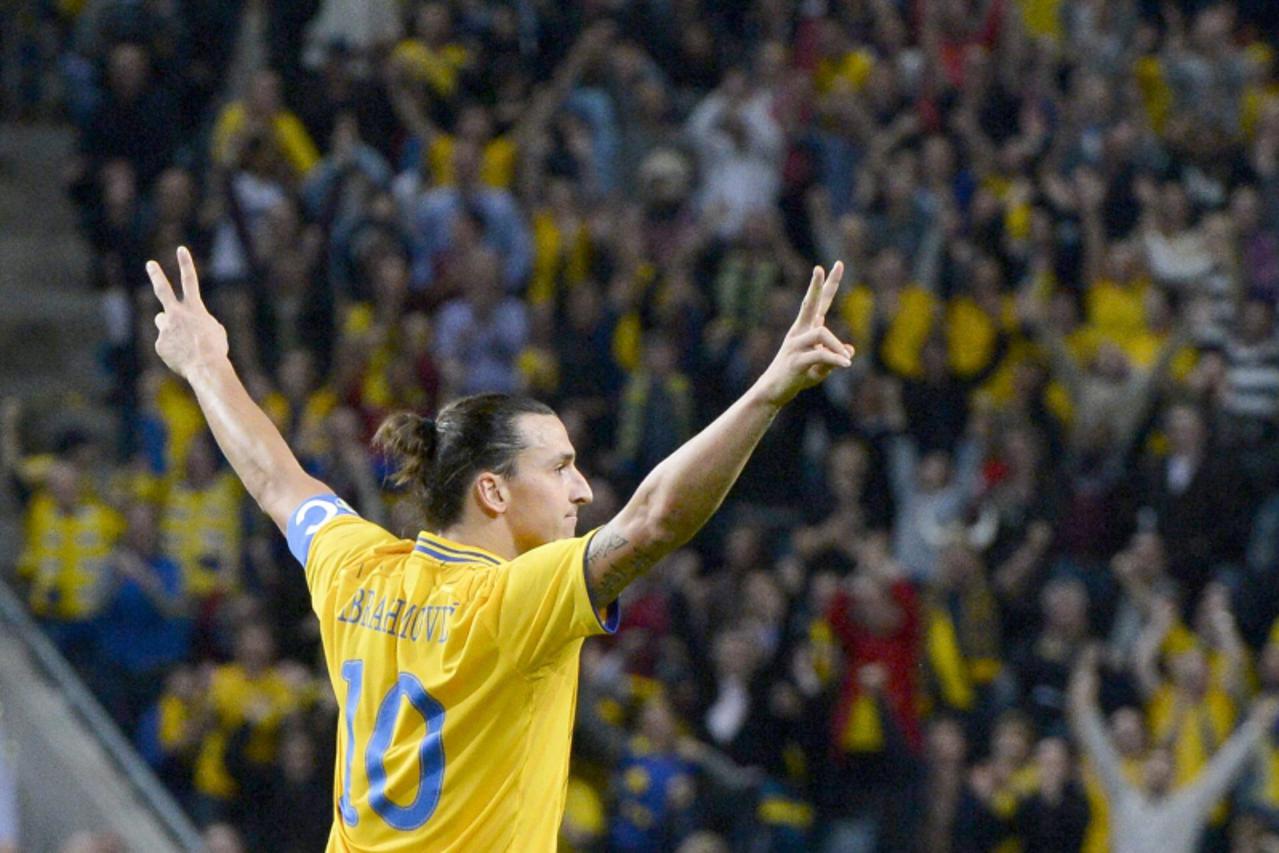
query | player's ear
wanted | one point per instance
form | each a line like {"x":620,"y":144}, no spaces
{"x":492,"y":493}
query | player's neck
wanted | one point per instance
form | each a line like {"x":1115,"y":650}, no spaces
{"x":490,"y":534}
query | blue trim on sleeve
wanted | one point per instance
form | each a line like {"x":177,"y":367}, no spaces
{"x":612,"y":617}
{"x":307,"y":520}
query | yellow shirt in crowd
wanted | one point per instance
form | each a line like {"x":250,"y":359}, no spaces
{"x":202,"y":530}
{"x":288,"y":134}
{"x":233,"y":696}
{"x":497,"y":163}
{"x":65,"y":556}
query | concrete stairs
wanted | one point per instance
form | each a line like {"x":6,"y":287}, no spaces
{"x":50,"y":321}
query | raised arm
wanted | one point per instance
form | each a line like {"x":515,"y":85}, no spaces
{"x":1091,"y":192}
{"x":1090,"y":728}
{"x":1142,"y":392}
{"x":545,"y":100}
{"x":1228,"y":763}
{"x":410,"y":110}
{"x":680,"y":494}
{"x":1065,"y":368}
{"x":194,"y":345}
{"x":1145,"y":655}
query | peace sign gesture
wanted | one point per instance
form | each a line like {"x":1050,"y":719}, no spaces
{"x":189,"y":334}
{"x":810,"y":351}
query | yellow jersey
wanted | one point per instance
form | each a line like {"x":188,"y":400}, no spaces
{"x":202,"y":529}
{"x":232,"y":693}
{"x":497,"y":161}
{"x":456,"y":675}
{"x":287,"y":132}
{"x":65,"y":557}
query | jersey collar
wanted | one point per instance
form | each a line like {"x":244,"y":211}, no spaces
{"x":448,"y":551}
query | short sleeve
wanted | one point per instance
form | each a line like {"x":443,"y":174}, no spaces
{"x":545,"y":604}
{"x":325,"y":535}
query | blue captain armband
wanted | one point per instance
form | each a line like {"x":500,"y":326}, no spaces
{"x":306,"y":521}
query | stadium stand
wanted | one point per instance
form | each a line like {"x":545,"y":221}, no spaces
{"x":65,"y":767}
{"x":1059,"y":443}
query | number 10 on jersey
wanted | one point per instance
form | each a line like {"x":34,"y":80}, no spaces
{"x":430,"y":750}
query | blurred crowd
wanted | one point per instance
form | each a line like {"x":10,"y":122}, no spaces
{"x":1010,"y":583}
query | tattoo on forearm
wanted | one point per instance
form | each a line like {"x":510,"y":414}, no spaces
{"x":606,"y":542}
{"x":623,"y":568}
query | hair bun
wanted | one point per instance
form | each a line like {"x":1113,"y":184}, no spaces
{"x":426,"y":434}
{"x":410,"y":441}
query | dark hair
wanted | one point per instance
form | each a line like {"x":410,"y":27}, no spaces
{"x":439,"y":459}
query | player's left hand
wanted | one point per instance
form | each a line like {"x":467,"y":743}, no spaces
{"x":189,"y":334}
{"x":810,"y":351}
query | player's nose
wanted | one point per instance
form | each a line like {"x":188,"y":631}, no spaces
{"x":580,"y":491}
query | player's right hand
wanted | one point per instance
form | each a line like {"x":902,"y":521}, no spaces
{"x":189,"y":334}
{"x":810,"y":351}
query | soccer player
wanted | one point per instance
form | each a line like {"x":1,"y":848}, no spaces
{"x":455,"y":657}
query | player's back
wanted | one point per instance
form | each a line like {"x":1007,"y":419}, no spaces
{"x":456,"y":675}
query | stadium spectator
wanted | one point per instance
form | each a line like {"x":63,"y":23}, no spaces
{"x":654,"y":784}
{"x":1055,"y":815}
{"x":145,"y":626}
{"x":1141,"y":571}
{"x":173,"y":219}
{"x":69,"y":537}
{"x":288,"y":801}
{"x":962,"y":637}
{"x":261,"y":118}
{"x":656,"y":415}
{"x":201,"y":527}
{"x":739,"y":146}
{"x":1192,"y":712}
{"x":339,"y":179}
{"x":876,"y":727}
{"x":996,"y":786}
{"x":932,"y":492}
{"x":1155,"y":815}
{"x":480,"y":334}
{"x":252,"y":691}
{"x":944,"y":783}
{"x":168,"y":734}
{"x":252,"y":180}
{"x":136,"y":119}
{"x":441,"y":216}
{"x":1043,"y":666}
{"x":1250,"y":398}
